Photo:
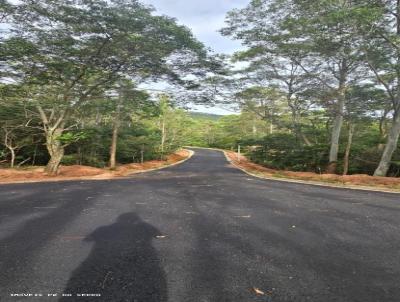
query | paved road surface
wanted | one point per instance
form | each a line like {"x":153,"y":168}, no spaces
{"x":225,"y":233}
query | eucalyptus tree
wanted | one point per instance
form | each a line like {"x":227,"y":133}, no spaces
{"x":329,"y":29}
{"x":363,"y":104}
{"x":377,"y":24}
{"x":72,"y":52}
{"x":282,"y":73}
{"x":124,"y":101}
{"x":312,"y":39}
{"x":270,"y":62}
{"x":265,"y":102}
{"x":171,"y":124}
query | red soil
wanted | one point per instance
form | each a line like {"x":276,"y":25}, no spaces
{"x":349,"y":180}
{"x":33,"y":174}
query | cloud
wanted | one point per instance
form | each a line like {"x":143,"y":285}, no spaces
{"x":203,"y":17}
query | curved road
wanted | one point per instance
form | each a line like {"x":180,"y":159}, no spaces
{"x":200,"y":231}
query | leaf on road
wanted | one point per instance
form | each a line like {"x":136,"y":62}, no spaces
{"x":258,"y":291}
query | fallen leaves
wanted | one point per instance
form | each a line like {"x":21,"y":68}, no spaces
{"x":258,"y":291}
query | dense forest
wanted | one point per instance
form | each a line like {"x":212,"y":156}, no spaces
{"x":315,"y":88}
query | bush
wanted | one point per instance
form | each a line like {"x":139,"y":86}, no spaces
{"x":284,"y":152}
{"x":70,"y":159}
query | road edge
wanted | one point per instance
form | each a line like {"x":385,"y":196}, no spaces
{"x":191,"y":153}
{"x":80,"y":179}
{"x":305,"y":182}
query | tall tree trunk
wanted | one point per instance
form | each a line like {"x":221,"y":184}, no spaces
{"x":12,"y":157}
{"x":79,"y":158}
{"x":391,"y":145}
{"x":335,"y":136}
{"x":53,"y":128}
{"x":338,"y":120}
{"x":34,"y":155}
{"x":8,"y":142}
{"x":114,"y":139}
{"x":394,"y":133}
{"x":113,"y":148}
{"x":346,"y":160}
{"x":163,"y":137}
{"x":383,"y":124}
{"x":56,"y":150}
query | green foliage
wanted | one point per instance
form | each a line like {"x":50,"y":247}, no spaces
{"x":63,"y":59}
{"x":282,"y":151}
{"x":71,"y":137}
{"x":72,"y":69}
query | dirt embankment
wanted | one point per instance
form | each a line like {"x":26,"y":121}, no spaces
{"x":34,"y":174}
{"x":358,"y":180}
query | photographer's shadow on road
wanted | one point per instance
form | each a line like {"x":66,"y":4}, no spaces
{"x":122,"y":266}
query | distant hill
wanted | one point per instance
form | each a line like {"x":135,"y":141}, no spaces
{"x":205,"y":116}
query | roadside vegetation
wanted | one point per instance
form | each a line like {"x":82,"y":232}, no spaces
{"x":357,"y":181}
{"x":320,"y":90}
{"x":81,"y":172}
{"x":316,"y":87}
{"x":71,"y":75}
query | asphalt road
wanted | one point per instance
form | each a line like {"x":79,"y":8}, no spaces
{"x":200,"y":231}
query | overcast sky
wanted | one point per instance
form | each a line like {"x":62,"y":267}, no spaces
{"x":204,"y":18}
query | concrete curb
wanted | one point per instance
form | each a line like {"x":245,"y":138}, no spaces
{"x":311,"y":183}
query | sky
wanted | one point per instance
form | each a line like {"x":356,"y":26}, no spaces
{"x":204,"y":18}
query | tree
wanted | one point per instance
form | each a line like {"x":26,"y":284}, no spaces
{"x":171,"y":124}
{"x":378,"y":25}
{"x":14,"y":139}
{"x":127,"y":101}
{"x":309,"y":38}
{"x":266,"y":103}
{"x":271,"y":67}
{"x":17,"y":130}
{"x":71,"y":52}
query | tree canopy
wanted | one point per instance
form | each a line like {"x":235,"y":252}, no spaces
{"x":316,"y":86}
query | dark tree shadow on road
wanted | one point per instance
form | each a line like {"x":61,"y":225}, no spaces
{"x":122,"y":266}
